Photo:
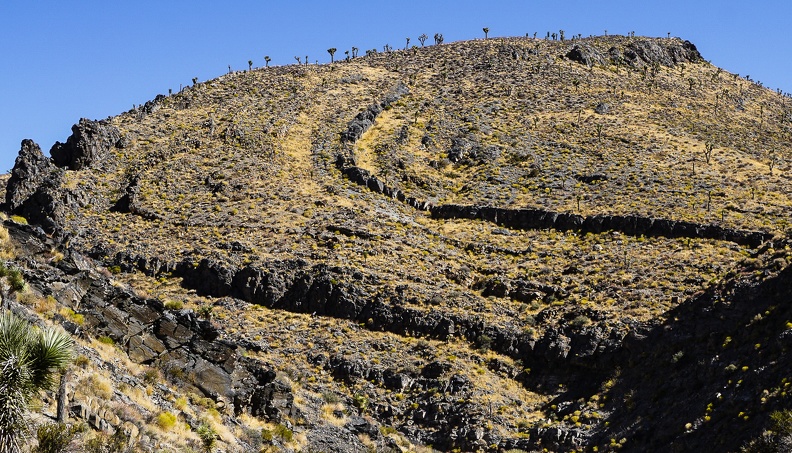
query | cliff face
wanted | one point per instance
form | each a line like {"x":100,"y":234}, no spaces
{"x":515,"y":242}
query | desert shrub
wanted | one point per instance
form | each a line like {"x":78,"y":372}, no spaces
{"x":174,"y":305}
{"x":580,"y":321}
{"x":16,"y":280}
{"x":55,"y":437}
{"x":205,"y":311}
{"x":782,"y":421}
{"x":207,"y":435}
{"x":166,"y":421}
{"x":98,"y":385}
{"x":151,"y":376}
{"x":180,"y":403}
{"x":484,"y":342}
{"x":106,"y":340}
{"x":331,"y":397}
{"x":360,"y":401}
{"x":69,"y":314}
{"x":103,"y":443}
{"x":283,"y":431}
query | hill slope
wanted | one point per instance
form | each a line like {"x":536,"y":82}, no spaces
{"x":477,"y":244}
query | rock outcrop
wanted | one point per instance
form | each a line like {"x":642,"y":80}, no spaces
{"x":586,"y":55}
{"x":649,"y":52}
{"x":528,"y":219}
{"x":31,"y":170}
{"x":90,"y":143}
{"x":34,"y":190}
{"x":366,"y":118}
{"x":153,"y":335}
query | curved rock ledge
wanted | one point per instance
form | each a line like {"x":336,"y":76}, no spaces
{"x":631,"y":225}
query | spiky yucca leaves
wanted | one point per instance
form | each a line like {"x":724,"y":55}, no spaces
{"x":30,"y":359}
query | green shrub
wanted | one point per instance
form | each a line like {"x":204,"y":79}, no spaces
{"x":207,"y":435}
{"x":485,"y":342}
{"x":782,"y":421}
{"x":580,"y":321}
{"x":174,"y":305}
{"x":166,"y":421}
{"x":106,"y":340}
{"x":330,"y":397}
{"x":284,"y":433}
{"x":16,"y":280}
{"x":55,"y":437}
{"x":205,"y":312}
{"x":104,"y":443}
{"x":360,"y":401}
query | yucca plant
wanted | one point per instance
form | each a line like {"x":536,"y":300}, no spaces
{"x":30,"y":361}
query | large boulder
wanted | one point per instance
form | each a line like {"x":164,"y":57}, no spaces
{"x":90,"y":142}
{"x":649,"y":52}
{"x":31,"y":169}
{"x":585,"y":54}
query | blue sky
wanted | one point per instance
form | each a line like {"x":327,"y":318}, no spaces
{"x":62,"y":60}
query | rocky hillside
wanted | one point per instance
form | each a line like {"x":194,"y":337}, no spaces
{"x":488,"y":245}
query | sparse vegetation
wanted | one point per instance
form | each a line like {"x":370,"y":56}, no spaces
{"x":249,"y":209}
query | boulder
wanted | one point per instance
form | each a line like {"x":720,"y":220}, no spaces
{"x":602,"y":108}
{"x":585,"y":54}
{"x":90,"y":142}
{"x":31,"y":169}
{"x":648,"y":52}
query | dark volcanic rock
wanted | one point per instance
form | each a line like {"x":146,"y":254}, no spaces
{"x":649,"y":52}
{"x":89,"y":143}
{"x":31,"y":169}
{"x":366,"y":118}
{"x":585,"y":54}
{"x":34,"y":190}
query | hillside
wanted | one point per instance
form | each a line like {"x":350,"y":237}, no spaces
{"x":495,"y":244}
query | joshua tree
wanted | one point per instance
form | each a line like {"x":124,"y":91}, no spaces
{"x":250,"y":65}
{"x":195,"y":80}
{"x":346,"y":52}
{"x":229,"y":69}
{"x":266,"y":61}
{"x":354,"y":52}
{"x":30,"y":359}
{"x":298,"y":60}
{"x":406,"y":46}
{"x":561,"y":34}
{"x":332,"y":52}
{"x":386,"y":48}
{"x":423,"y":38}
{"x":438,"y":38}
{"x":486,"y":32}
{"x":306,"y":60}
{"x":708,"y":148}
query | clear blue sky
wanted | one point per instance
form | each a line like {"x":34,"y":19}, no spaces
{"x":62,"y":60}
